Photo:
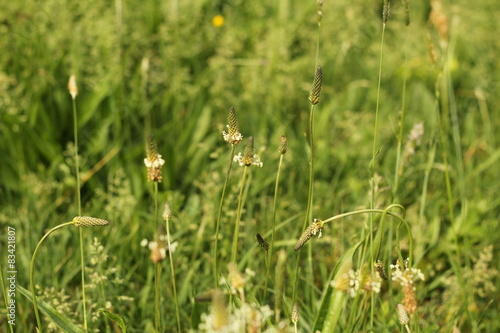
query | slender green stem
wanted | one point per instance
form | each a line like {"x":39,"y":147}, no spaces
{"x":275,"y":200}
{"x":234,"y":250}
{"x":398,"y":170}
{"x":217,"y":225}
{"x":372,"y":167}
{"x":308,"y":217}
{"x":174,"y":288}
{"x":79,"y":209}
{"x":157,"y":270}
{"x":32,"y":269}
{"x":380,"y":211}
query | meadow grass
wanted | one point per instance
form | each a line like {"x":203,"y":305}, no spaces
{"x":395,"y":168}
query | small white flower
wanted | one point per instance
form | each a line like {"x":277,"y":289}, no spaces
{"x":144,"y":242}
{"x":256,"y":160}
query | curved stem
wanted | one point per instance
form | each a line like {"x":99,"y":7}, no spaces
{"x":32,"y":269}
{"x":380,"y":211}
{"x":217,"y":226}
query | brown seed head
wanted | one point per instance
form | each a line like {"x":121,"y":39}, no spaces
{"x":313,"y":229}
{"x":379,"y":266}
{"x":316,"y":87}
{"x":407,"y":11}
{"x":283,"y":145}
{"x":87,"y":221}
{"x":387,"y":11}
{"x":248,"y":155}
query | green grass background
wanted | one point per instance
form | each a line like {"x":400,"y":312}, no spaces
{"x":164,"y":60}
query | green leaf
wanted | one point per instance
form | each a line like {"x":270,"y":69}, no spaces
{"x":331,"y":304}
{"x":57,"y":318}
{"x":116,"y":318}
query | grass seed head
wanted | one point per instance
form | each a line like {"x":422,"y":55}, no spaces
{"x":87,"y":221}
{"x":387,"y":11}
{"x":379,"y":266}
{"x":313,"y":229}
{"x":407,"y":11}
{"x":283,"y":145}
{"x":316,"y":87}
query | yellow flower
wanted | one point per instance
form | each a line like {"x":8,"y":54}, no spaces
{"x":218,"y":21}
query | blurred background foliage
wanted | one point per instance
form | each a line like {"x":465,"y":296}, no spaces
{"x":164,"y":67}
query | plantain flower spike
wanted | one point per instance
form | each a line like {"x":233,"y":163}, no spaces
{"x":233,"y":135}
{"x":167,"y":212}
{"x":283,"y":145}
{"x":313,"y":229}
{"x":153,"y":160}
{"x":87,"y":221}
{"x":72,"y":87}
{"x":295,"y":313}
{"x":316,"y":87}
{"x":249,"y":157}
{"x":403,"y":317}
{"x":379,"y":266}
{"x":387,"y":11}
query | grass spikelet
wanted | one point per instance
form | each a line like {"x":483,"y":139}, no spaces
{"x":387,"y":11}
{"x":87,"y":221}
{"x":406,"y":4}
{"x":283,"y":145}
{"x":316,"y":87}
{"x":262,"y":242}
{"x":313,"y":229}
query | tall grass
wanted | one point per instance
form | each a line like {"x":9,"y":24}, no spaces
{"x":380,"y":191}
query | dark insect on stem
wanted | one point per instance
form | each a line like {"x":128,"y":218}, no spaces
{"x":262,"y":242}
